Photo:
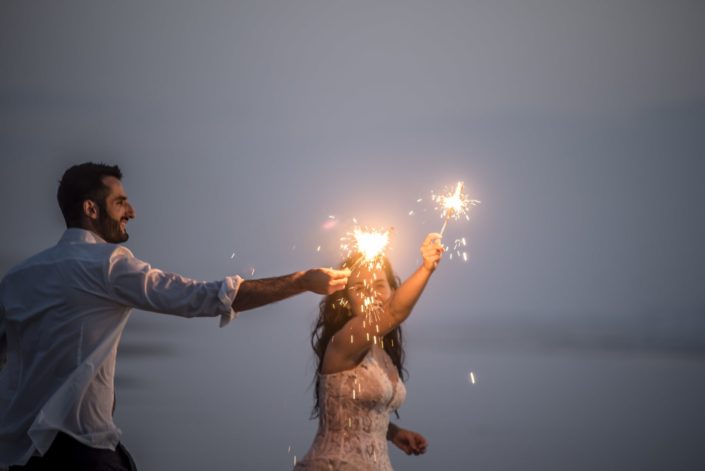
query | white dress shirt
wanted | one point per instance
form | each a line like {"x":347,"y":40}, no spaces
{"x":62,"y":313}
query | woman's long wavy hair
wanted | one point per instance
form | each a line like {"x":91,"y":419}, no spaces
{"x":335,"y":312}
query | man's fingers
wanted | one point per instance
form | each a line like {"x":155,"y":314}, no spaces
{"x":341,"y":274}
{"x":337,"y":285}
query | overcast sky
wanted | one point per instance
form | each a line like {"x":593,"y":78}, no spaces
{"x":241,"y":126}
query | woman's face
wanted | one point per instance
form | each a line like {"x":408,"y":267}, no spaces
{"x":367,"y":289}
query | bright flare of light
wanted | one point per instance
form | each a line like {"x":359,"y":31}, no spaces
{"x":371,"y":243}
{"x":453,"y":204}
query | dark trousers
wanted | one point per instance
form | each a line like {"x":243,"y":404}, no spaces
{"x":68,"y":454}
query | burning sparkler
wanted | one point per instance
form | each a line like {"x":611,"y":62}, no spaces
{"x":370,"y":243}
{"x":454,"y":204}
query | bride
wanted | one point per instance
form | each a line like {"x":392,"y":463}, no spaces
{"x":358,"y":344}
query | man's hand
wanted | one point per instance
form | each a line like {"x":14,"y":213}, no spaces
{"x":256,"y":293}
{"x":324,"y":280}
{"x":407,"y":441}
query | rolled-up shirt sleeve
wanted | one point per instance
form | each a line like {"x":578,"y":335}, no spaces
{"x":133,"y":282}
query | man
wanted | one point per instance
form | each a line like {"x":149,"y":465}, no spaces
{"x":62,"y":313}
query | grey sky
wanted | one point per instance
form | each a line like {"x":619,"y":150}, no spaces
{"x":240,"y":126}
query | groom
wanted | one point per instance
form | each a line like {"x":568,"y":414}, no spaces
{"x":62,"y":313}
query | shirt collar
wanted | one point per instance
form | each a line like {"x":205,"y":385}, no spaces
{"x":75,"y":235}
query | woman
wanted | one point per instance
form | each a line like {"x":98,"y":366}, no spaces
{"x":358,"y":345}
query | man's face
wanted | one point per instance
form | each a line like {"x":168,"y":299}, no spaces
{"x":114,"y":213}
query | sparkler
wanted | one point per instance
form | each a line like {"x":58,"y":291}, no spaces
{"x":370,"y":243}
{"x":454,"y":205}
{"x":367,"y":246}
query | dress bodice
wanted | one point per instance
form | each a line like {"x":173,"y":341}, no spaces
{"x":354,"y":415}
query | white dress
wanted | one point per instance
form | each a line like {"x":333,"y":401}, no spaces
{"x":354,"y":415}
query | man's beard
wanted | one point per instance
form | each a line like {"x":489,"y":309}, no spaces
{"x":110,"y":229}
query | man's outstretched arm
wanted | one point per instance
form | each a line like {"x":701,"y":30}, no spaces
{"x":255,"y":293}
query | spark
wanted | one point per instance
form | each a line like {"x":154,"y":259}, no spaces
{"x":411,"y":213}
{"x":453,"y":204}
{"x":232,"y":256}
{"x":458,"y":245}
{"x":471,"y":377}
{"x":371,"y":243}
{"x":318,"y":249}
{"x":367,"y":246}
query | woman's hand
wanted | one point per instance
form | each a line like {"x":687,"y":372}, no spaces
{"x":407,"y":441}
{"x":431,"y":251}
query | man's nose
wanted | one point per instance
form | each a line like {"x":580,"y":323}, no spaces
{"x":131,"y":211}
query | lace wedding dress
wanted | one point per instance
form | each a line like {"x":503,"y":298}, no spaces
{"x":354,"y":415}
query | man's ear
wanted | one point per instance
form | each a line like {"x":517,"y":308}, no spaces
{"x":90,"y":209}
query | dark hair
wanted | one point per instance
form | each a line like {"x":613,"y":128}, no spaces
{"x":334,"y":313}
{"x":80,"y":183}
